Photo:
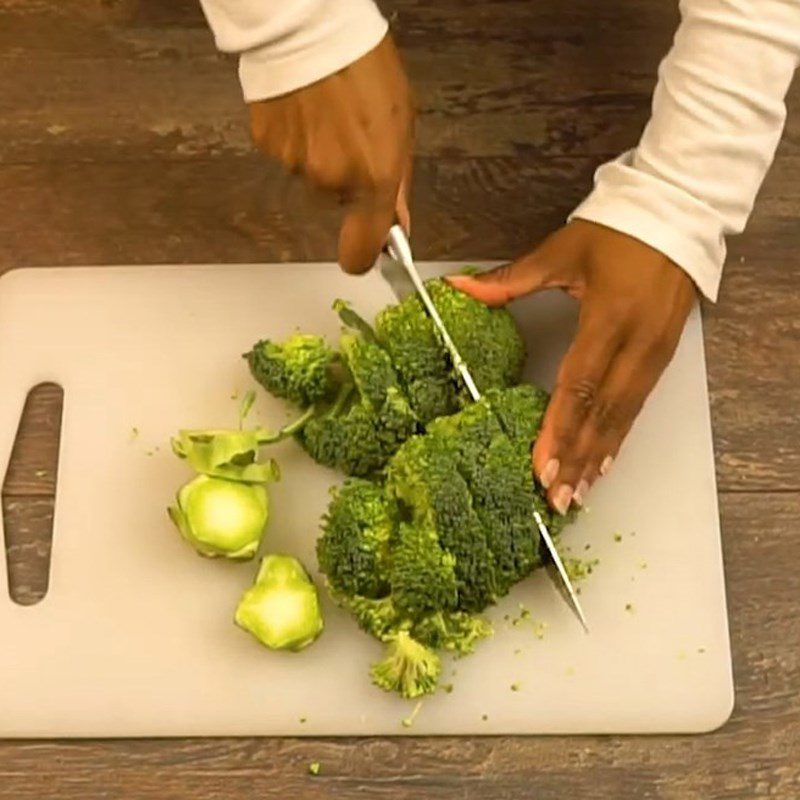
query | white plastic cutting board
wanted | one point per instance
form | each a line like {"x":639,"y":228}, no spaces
{"x":135,"y":636}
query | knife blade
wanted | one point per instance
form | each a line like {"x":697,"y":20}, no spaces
{"x":398,"y":269}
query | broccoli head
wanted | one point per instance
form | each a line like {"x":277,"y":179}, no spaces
{"x":436,"y":521}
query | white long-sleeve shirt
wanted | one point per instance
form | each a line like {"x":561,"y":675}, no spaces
{"x":717,"y":115}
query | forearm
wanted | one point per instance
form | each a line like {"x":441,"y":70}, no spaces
{"x":718,"y":114}
{"x":288,"y":44}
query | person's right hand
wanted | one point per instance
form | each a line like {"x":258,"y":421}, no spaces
{"x":351,"y":134}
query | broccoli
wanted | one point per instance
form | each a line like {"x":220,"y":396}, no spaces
{"x":409,"y":668}
{"x":386,"y":383}
{"x":418,"y":552}
{"x":299,"y":370}
{"x":354,"y":553}
{"x":435,"y":521}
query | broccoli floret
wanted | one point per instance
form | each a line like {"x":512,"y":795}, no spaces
{"x":456,"y":631}
{"x":409,"y":668}
{"x":377,"y":617}
{"x":520,"y":411}
{"x":299,"y":370}
{"x":486,"y":338}
{"x":354,"y":547}
{"x":359,"y":432}
{"x":410,"y":339}
{"x":423,"y":577}
{"x":422,"y":479}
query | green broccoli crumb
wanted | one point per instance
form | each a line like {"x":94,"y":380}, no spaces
{"x":643,"y":565}
{"x":518,"y":651}
{"x":539,"y":629}
{"x":580,"y":568}
{"x":701,"y":650}
{"x":134,"y":433}
{"x":629,"y":607}
{"x":524,"y":613}
{"x":484,"y":717}
{"x":314,"y":768}
{"x":447,"y":688}
{"x":515,"y":687}
{"x":40,"y":473}
{"x":617,"y":537}
{"x":303,"y":720}
{"x":587,"y":546}
{"x":409,"y":720}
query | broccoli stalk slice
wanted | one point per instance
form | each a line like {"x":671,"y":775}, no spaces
{"x":408,"y":668}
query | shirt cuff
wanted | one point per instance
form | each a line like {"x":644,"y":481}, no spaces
{"x":662,"y":216}
{"x":327,"y":42}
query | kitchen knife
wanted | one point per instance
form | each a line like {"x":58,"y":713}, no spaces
{"x":398,"y":269}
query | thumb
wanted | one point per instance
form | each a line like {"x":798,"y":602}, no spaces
{"x":363,"y":234}
{"x":505,"y":283}
{"x":555,"y":263}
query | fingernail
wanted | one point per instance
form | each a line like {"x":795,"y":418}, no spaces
{"x":562,"y":498}
{"x":606,"y":465}
{"x":549,"y":472}
{"x":580,"y":492}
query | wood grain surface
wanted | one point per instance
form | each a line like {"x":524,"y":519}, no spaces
{"x":122,"y":140}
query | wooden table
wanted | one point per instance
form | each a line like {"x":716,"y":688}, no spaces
{"x":122,"y":140}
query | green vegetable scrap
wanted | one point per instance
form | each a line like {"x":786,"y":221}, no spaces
{"x":515,"y":687}
{"x":314,"y":768}
{"x":281,"y":610}
{"x":408,"y":721}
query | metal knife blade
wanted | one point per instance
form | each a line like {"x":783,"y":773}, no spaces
{"x":401,"y":274}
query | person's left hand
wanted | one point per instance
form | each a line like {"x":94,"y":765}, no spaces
{"x":634,"y":305}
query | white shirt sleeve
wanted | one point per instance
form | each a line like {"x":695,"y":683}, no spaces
{"x":288,"y":44}
{"x":717,"y":116}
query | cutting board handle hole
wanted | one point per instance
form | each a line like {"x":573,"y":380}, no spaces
{"x":28,"y":494}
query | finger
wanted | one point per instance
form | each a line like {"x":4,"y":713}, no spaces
{"x":629,"y":381}
{"x":554,"y":263}
{"x":363,"y":235}
{"x":579,"y":379}
{"x":402,"y":208}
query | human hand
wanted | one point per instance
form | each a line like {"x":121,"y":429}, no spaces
{"x":634,"y":303}
{"x":351,"y":134}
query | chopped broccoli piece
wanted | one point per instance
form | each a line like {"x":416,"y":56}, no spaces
{"x":408,"y":668}
{"x":298,"y":370}
{"x":486,"y":338}
{"x":281,"y":610}
{"x":354,"y":549}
